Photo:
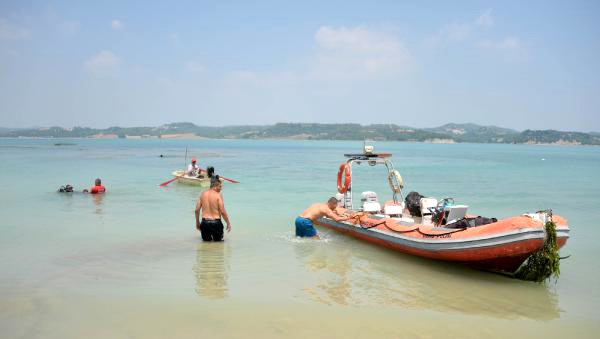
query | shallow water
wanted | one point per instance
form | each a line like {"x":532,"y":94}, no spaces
{"x":130,"y":264}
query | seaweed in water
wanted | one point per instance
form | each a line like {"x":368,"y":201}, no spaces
{"x":545,"y":262}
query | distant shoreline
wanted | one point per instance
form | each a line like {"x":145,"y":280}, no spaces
{"x":292,"y":139}
{"x":446,"y":134}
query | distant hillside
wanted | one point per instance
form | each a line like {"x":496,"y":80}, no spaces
{"x":7,"y":130}
{"x":474,"y":133}
{"x":277,"y":131}
{"x":448,"y":133}
{"x":554,"y":137}
{"x":342,"y":132}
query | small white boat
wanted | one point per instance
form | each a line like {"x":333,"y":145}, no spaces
{"x":202,"y":180}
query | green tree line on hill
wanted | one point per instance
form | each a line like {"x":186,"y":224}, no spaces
{"x":313,"y":131}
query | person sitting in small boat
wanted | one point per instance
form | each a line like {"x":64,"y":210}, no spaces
{"x":192,"y":169}
{"x":97,"y":188}
{"x":304,"y":223}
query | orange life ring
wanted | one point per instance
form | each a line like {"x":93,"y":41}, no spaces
{"x":345,"y":167}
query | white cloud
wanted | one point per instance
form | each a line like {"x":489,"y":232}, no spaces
{"x":357,"y":51}
{"x":508,"y":43}
{"x":485,"y":19}
{"x":348,"y":63}
{"x":10,"y":31}
{"x":342,"y":55}
{"x":359,"y":39}
{"x":105,"y":63}
{"x":460,"y":31}
{"x":456,"y":31}
{"x":510,"y":48}
{"x":195,"y":67}
{"x":453,"y":32}
{"x":116,"y":24}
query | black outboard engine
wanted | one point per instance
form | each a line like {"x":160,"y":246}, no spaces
{"x":413,"y":203}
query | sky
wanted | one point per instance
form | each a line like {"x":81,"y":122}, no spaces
{"x":517,"y":64}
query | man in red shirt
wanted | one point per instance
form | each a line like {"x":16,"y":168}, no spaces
{"x":98,"y":188}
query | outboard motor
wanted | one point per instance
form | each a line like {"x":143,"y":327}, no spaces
{"x":413,"y":203}
{"x":369,"y":202}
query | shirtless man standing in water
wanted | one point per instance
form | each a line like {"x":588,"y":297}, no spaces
{"x":213,"y":208}
{"x":304,"y":223}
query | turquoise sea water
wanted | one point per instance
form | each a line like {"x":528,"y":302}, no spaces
{"x":130,"y":263}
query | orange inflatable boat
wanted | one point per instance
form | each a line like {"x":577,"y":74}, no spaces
{"x":438,"y":230}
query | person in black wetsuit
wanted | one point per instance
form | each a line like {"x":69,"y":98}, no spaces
{"x":210,"y":204}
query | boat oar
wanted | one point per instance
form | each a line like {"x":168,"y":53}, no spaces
{"x":169,"y":181}
{"x":230,"y":180}
{"x":222,"y":177}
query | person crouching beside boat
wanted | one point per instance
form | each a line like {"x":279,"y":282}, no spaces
{"x":304,"y":223}
{"x":211,"y":204}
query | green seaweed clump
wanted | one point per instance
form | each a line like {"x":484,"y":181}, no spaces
{"x":545,"y":262}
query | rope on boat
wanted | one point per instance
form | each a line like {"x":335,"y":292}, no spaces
{"x":440,"y":234}
{"x":356,"y":219}
{"x":545,"y":262}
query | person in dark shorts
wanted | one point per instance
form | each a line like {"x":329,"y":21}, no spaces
{"x":304,"y":223}
{"x":211,"y":229}
{"x":210,"y":205}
